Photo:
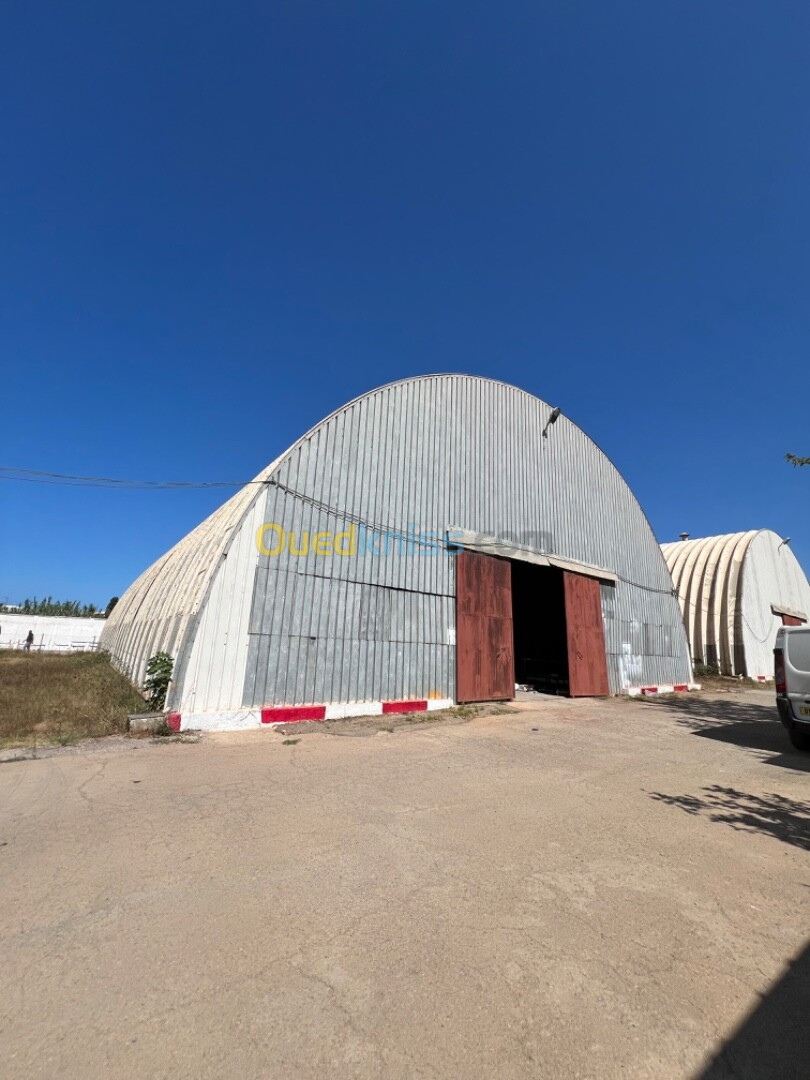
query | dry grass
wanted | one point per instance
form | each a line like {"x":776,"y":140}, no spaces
{"x":728,"y":682}
{"x":60,"y":699}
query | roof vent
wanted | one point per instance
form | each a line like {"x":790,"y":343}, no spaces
{"x":684,"y":536}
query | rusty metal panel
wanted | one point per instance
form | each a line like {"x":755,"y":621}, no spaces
{"x":484,"y":646}
{"x":587,"y":666}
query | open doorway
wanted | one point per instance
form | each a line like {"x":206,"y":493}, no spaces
{"x":518,"y":622}
{"x":558,"y":631}
{"x":540,"y":630}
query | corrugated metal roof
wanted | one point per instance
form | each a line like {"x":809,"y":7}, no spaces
{"x":436,"y":452}
{"x":727,"y":586}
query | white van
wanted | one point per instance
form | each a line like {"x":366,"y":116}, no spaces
{"x":791,"y":656}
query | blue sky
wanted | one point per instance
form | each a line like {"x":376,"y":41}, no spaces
{"x":220,"y":222}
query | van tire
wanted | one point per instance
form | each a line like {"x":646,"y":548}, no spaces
{"x":800,"y":739}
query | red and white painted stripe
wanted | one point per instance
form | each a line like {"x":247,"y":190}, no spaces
{"x":291,"y":714}
{"x":669,"y":688}
{"x":243,"y":719}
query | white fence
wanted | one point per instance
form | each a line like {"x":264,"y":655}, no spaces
{"x":52,"y":633}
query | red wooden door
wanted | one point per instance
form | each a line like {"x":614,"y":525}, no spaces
{"x":587,"y":665}
{"x":485,"y":662}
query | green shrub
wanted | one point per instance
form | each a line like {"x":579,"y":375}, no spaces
{"x":158,"y":676}
{"x":703,"y":670}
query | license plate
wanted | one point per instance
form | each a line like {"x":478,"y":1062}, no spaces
{"x":804,"y":710}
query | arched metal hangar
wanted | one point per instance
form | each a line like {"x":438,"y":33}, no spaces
{"x":735,"y":591}
{"x":439,"y":539}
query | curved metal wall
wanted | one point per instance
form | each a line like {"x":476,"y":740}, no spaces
{"x":727,"y":586}
{"x":772,"y":577}
{"x":435,"y":453}
{"x":158,"y":610}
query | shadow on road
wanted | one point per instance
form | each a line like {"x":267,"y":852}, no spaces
{"x":773,"y":1042}
{"x":751,"y":725}
{"x":785,"y":819}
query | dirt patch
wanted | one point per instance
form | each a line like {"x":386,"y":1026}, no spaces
{"x":621,"y":892}
{"x":728,"y":683}
{"x":37,"y":745}
{"x":359,"y":726}
{"x":711,"y":690}
{"x":39,"y":751}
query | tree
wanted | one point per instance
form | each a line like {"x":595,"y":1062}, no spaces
{"x":110,"y":605}
{"x":794,"y":460}
{"x":49,"y":606}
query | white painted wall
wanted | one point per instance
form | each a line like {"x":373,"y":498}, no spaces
{"x":52,"y":633}
{"x":216,"y":671}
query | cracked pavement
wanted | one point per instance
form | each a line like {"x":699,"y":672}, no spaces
{"x":609,"y":896}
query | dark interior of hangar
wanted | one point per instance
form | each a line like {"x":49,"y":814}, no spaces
{"x":539,"y":625}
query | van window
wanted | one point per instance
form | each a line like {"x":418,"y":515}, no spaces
{"x":798,"y":649}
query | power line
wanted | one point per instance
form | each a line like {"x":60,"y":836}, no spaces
{"x":391,"y":531}
{"x":34,"y":476}
{"x":648,"y":588}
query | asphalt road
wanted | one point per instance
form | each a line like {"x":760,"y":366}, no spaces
{"x":624,"y":892}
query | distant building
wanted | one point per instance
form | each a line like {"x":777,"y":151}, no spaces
{"x":52,"y":633}
{"x":734,"y":592}
{"x":436,"y":540}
